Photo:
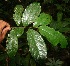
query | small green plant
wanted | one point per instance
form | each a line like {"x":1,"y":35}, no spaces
{"x":52,"y":62}
{"x":32,"y":22}
{"x":59,"y":24}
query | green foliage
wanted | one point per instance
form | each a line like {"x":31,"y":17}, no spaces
{"x":22,"y":45}
{"x":18,"y":14}
{"x":43,"y":19}
{"x":54,"y":37}
{"x":36,"y":44}
{"x":62,"y":40}
{"x":12,"y":46}
{"x":3,"y":56}
{"x":22,"y":60}
{"x":12,"y":41}
{"x":59,"y":24}
{"x":50,"y":34}
{"x":52,"y":62}
{"x":16,"y":32}
{"x":35,"y":25}
{"x":31,"y":13}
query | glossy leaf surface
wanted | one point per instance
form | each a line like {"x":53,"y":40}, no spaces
{"x":12,"y":41}
{"x":18,"y":14}
{"x":31,"y":13}
{"x":43,"y":19}
{"x":16,"y":32}
{"x":36,"y":44}
{"x":12,"y":46}
{"x":54,"y":37}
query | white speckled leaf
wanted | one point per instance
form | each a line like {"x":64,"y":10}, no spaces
{"x":36,"y":44}
{"x":54,"y":37}
{"x":18,"y":14}
{"x":31,"y":13}
{"x":12,"y":41}
{"x":16,"y":32}
{"x":12,"y":46}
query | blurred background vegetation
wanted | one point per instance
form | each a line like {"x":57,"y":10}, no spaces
{"x":48,"y":6}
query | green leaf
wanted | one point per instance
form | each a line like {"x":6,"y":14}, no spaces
{"x":12,"y":41}
{"x":31,"y":13}
{"x":12,"y":46}
{"x":18,"y":14}
{"x":62,"y":40}
{"x":54,"y":37}
{"x":36,"y":44}
{"x":50,"y":34}
{"x":16,"y":32}
{"x":43,"y":19}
